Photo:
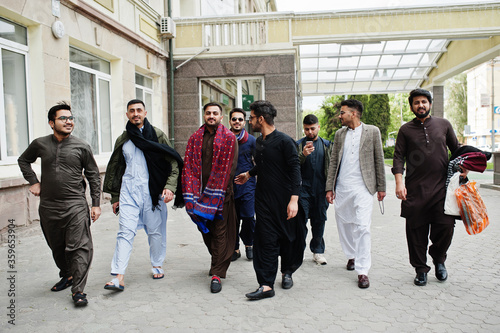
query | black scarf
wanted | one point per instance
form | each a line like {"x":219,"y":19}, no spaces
{"x":158,"y":167}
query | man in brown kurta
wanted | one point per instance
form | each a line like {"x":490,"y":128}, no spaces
{"x":64,"y":212}
{"x":422,"y":143}
{"x":221,"y":235}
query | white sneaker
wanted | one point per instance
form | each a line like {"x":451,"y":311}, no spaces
{"x":319,"y":258}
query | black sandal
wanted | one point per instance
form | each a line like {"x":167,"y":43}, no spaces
{"x":80,"y":299}
{"x":63,"y":284}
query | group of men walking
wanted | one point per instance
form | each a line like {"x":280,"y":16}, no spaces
{"x":228,"y":176}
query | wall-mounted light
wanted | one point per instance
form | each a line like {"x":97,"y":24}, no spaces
{"x":58,"y":29}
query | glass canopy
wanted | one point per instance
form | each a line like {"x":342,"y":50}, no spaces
{"x":367,"y":68}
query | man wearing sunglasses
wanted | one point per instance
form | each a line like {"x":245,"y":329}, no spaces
{"x":278,"y":232}
{"x":244,"y":195}
{"x":64,"y":212}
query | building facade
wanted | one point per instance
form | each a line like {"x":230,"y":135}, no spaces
{"x":97,"y":55}
{"x":480,"y":119}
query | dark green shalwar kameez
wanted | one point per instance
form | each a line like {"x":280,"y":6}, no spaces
{"x":64,"y":212}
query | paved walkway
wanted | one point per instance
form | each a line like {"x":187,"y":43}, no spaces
{"x":324,"y":298}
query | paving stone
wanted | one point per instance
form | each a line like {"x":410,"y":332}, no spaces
{"x":323,"y":298}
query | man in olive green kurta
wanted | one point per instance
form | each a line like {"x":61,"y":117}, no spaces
{"x":64,"y":212}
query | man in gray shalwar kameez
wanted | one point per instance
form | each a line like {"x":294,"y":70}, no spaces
{"x":64,"y":212}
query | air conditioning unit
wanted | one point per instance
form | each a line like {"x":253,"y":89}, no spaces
{"x":167,"y":27}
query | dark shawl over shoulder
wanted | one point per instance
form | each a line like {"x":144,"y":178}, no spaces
{"x":159,"y":169}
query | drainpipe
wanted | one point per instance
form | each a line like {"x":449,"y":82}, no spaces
{"x":172,"y":69}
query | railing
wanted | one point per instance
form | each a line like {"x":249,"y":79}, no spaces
{"x":235,"y":33}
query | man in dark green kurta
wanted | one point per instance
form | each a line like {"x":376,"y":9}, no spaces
{"x":64,"y":212}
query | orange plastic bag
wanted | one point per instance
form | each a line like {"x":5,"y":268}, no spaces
{"x":472,"y":208}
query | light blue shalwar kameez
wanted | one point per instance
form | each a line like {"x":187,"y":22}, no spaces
{"x":136,"y":212}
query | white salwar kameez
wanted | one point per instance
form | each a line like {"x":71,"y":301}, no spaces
{"x":353,"y":205}
{"x":136,"y":212}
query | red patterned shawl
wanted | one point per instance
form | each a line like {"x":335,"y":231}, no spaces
{"x":207,"y":205}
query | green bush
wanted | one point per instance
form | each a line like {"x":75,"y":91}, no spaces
{"x":389,"y":152}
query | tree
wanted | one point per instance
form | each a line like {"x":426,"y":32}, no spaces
{"x":400,"y":113}
{"x":329,"y":120}
{"x":362,"y":98}
{"x":456,"y":103}
{"x":378,"y":113}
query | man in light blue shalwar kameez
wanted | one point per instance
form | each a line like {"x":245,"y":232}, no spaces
{"x":141,"y":162}
{"x":136,"y":212}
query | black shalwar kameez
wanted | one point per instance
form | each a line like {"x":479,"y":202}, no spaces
{"x":278,"y":178}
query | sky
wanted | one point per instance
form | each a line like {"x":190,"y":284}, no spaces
{"x":313,"y":103}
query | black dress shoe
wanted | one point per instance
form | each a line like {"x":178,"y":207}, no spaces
{"x":260,"y":294}
{"x":235,"y":256}
{"x":215,"y":284}
{"x":363,"y":281}
{"x":249,"y":252}
{"x":420,"y":279}
{"x":441,"y":273}
{"x":287,"y":281}
{"x":350,"y":265}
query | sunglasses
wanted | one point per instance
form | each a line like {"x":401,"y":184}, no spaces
{"x":237,"y":119}
{"x":64,"y":118}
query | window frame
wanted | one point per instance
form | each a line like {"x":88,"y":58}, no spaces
{"x":239,"y":91}
{"x":98,"y":75}
{"x":22,"y":49}
{"x":145,"y":90}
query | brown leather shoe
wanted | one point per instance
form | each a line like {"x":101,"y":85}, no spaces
{"x":363,"y":281}
{"x":350,"y":265}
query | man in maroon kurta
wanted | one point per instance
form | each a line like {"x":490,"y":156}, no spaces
{"x":422,"y":143}
{"x":219,"y":232}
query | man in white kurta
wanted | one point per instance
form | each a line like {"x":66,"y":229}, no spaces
{"x":355,"y":173}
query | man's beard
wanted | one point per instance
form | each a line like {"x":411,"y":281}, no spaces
{"x":422,"y":115}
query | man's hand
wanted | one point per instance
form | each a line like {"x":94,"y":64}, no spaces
{"x":308,"y":148}
{"x":464,"y":172}
{"x":95,"y":212}
{"x":330,"y":196}
{"x":242,"y":178}
{"x":35,"y":189}
{"x":380,"y":195}
{"x":293,"y":207}
{"x":167,"y":195}
{"x":115,"y":207}
{"x":400,"y":186}
{"x":401,"y":191}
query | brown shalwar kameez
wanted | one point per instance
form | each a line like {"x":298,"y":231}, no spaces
{"x":424,"y":149}
{"x":64,"y":212}
{"x":222,"y":233}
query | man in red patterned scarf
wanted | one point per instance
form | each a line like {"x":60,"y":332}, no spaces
{"x":209,"y":166}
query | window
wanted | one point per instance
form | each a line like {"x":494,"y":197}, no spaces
{"x":90,"y":99}
{"x":231,"y":93}
{"x":14,"y":131}
{"x":144,"y":92}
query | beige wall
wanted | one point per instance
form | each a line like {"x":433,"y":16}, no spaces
{"x":116,"y":37}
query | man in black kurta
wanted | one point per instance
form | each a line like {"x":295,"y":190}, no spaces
{"x":277,"y":229}
{"x":64,"y":212}
{"x":422,"y":143}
